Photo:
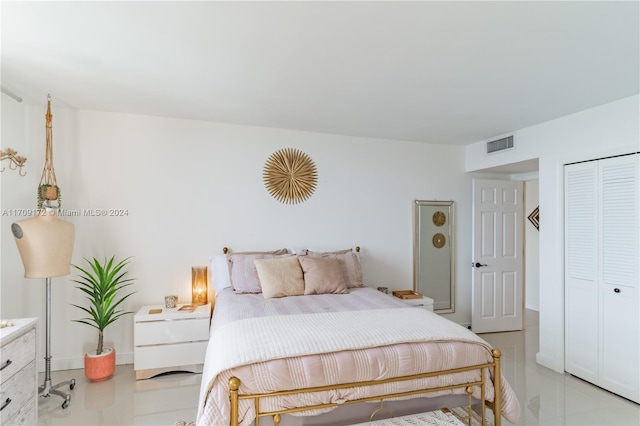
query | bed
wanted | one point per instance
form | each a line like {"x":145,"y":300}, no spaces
{"x":307,"y":349}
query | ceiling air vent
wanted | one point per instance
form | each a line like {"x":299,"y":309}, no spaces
{"x":500,"y":145}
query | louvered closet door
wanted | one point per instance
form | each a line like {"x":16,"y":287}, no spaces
{"x":619,"y":307}
{"x":581,"y":270}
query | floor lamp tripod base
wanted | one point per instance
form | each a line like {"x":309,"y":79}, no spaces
{"x":46,"y":390}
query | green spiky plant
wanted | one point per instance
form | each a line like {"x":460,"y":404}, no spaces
{"x":103,"y":285}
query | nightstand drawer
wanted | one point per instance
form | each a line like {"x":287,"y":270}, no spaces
{"x":423,"y":302}
{"x":148,"y":357}
{"x":171,"y":331}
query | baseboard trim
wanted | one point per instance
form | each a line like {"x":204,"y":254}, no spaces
{"x":78,"y":363}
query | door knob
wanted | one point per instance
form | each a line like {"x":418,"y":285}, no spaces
{"x":478,"y":265}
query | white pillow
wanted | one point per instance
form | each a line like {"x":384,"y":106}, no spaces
{"x":220,"y":276}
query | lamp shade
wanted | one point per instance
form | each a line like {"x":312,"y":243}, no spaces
{"x":199,"y":285}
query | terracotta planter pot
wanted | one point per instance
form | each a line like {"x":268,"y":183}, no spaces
{"x":52,"y":193}
{"x":100,"y":367}
{"x":48,"y":192}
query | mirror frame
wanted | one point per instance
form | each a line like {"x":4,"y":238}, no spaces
{"x":448,"y":230}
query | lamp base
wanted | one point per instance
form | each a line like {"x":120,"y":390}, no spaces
{"x":46,"y":390}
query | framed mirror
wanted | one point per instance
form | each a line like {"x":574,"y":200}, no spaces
{"x":433,"y":253}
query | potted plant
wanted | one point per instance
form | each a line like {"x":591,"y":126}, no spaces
{"x":104,"y":286}
{"x":48,"y":193}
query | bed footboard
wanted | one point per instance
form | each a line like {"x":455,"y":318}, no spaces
{"x":235,"y":396}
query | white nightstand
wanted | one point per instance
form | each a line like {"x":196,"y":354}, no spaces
{"x":170,"y":340}
{"x":425,"y":302}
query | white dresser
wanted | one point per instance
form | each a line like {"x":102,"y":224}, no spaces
{"x":170,"y":340}
{"x":18,"y":376}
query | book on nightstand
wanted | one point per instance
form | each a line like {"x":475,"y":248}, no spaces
{"x":187,"y":308}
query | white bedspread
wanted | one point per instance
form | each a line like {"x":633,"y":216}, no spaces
{"x":256,"y":340}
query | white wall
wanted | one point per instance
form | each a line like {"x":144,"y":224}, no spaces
{"x":532,"y":248}
{"x":192,"y":187}
{"x":610,"y":129}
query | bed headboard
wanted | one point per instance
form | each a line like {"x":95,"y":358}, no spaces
{"x":225,"y":250}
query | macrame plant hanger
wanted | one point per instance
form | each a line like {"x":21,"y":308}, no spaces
{"x":48,"y":190}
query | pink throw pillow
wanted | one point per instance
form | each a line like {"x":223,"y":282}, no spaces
{"x":322,"y":275}
{"x":244,"y":276}
{"x":349,"y":263}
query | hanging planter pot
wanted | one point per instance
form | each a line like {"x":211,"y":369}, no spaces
{"x":48,"y":193}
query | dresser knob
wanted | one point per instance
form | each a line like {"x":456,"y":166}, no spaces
{"x":616,"y":290}
{"x":7,"y":402}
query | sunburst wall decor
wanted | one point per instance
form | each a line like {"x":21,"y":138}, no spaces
{"x":290,"y":176}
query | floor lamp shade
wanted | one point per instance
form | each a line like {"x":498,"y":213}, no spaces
{"x":199,"y":285}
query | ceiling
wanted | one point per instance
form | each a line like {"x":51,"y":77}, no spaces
{"x":439,"y":72}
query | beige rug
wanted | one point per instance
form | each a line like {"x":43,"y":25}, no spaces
{"x":462,"y":414}
{"x":442,"y":417}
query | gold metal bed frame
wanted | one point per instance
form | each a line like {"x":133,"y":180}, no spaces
{"x":235,"y":396}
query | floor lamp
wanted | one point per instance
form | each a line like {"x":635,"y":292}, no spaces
{"x":45,"y":243}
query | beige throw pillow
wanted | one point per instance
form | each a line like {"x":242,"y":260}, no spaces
{"x":280,"y":277}
{"x":322,"y":276}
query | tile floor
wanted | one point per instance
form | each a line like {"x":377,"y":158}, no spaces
{"x":546,"y":397}
{"x":549,"y":398}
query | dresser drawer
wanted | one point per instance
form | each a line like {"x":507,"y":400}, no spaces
{"x":17,"y":354}
{"x":25,"y":415}
{"x":171,"y":331}
{"x":20,"y":389}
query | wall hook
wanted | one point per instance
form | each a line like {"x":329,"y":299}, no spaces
{"x":15,"y":161}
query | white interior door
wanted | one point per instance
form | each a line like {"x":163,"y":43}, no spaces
{"x":497,"y":283}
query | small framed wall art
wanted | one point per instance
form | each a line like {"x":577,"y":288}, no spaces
{"x":534,"y":217}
